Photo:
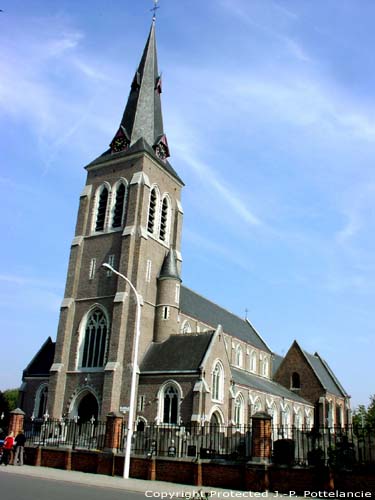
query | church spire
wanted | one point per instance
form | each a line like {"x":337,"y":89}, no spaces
{"x":142,"y":117}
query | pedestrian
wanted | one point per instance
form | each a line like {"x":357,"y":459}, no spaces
{"x":20,"y":448}
{"x":7,"y":448}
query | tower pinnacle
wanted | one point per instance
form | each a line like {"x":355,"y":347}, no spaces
{"x":142,"y":118}
{"x":154,"y":9}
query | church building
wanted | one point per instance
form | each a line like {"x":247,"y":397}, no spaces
{"x":197,"y":362}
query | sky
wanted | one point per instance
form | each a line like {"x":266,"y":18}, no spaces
{"x":269,"y":110}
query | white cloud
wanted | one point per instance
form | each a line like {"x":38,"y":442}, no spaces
{"x":228,"y":194}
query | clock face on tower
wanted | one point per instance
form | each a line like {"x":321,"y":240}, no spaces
{"x":119,"y":144}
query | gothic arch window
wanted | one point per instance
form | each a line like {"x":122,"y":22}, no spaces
{"x":296,"y":381}
{"x":256,"y":406}
{"x":101,"y":202}
{"x":119,"y":204}
{"x":286,"y":421}
{"x":153,"y":209}
{"x":339,"y":415}
{"x":169,"y":403}
{"x":265,"y":366}
{"x":218,"y":382}
{"x":95,"y":339}
{"x":41,"y":398}
{"x":165,"y":216}
{"x":239,"y":410}
{"x":253,"y":361}
{"x":186,"y":327}
{"x":238,"y":360}
{"x":298,"y":422}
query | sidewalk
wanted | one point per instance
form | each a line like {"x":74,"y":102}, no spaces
{"x":171,"y":490}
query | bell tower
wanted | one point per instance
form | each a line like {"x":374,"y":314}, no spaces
{"x":130,"y":216}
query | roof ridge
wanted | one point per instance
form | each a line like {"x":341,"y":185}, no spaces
{"x":218,"y":305}
{"x":243,"y":330}
{"x":332,"y":375}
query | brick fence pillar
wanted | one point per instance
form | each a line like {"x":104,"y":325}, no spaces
{"x":198,"y":481}
{"x":16,"y":421}
{"x":261,"y":437}
{"x":113,"y":432}
{"x":151,"y":472}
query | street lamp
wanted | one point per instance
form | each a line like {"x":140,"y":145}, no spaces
{"x":134,"y":371}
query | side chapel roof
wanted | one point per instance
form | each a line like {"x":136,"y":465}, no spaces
{"x":178,"y":353}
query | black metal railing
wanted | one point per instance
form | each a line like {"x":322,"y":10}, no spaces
{"x":335,"y":446}
{"x":66,"y":433}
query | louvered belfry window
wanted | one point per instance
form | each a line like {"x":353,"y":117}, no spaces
{"x":119,"y":206}
{"x":164,"y":219}
{"x":152,"y":211}
{"x":95,"y":341}
{"x":102,"y":208}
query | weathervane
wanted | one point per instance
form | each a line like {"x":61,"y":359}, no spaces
{"x":154,"y":9}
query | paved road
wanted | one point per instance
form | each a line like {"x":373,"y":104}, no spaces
{"x":17,"y":487}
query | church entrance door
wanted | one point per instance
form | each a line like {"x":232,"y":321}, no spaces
{"x":88,"y":408}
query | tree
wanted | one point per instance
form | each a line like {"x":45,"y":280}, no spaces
{"x":363,"y":416}
{"x":11,"y":398}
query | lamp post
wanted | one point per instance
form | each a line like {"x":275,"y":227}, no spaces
{"x":134,"y":372}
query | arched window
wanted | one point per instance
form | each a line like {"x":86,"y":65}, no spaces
{"x":95,"y":340}
{"x":253,"y":361}
{"x":119,"y":206}
{"x":265,"y":366}
{"x":152,"y":211}
{"x":164,"y":220}
{"x":298,"y":419}
{"x":286,"y":421}
{"x":296,"y":382}
{"x":170,"y":405}
{"x":218,"y":382}
{"x":186,"y":327}
{"x":41,"y":397}
{"x":239,"y":410}
{"x":238,"y":356}
{"x":102,"y":208}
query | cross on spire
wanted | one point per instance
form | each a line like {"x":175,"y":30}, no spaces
{"x":154,"y":9}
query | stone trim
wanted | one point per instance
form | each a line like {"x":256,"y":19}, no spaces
{"x":56,"y":367}
{"x":179,"y":207}
{"x":111,"y":366}
{"x":86,"y":191}
{"x":140,"y":178}
{"x":77,"y":240}
{"x":67,"y":302}
{"x":128,"y":231}
{"x":120,"y":297}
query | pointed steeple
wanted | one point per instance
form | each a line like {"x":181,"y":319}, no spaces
{"x":142,"y":118}
{"x":169,"y":268}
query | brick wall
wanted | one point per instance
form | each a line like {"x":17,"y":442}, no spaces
{"x":236,"y":476}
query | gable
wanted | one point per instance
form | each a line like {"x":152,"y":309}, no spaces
{"x":42,"y":361}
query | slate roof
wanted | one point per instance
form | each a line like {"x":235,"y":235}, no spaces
{"x":41,"y":363}
{"x":325,"y":375}
{"x":178,"y":353}
{"x":142,"y":116}
{"x":264,"y":385}
{"x":276,"y":362}
{"x":140,"y":146}
{"x":169,"y":268}
{"x":200,"y":308}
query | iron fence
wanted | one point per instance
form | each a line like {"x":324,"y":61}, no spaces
{"x":66,"y":433}
{"x":338,"y":447}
